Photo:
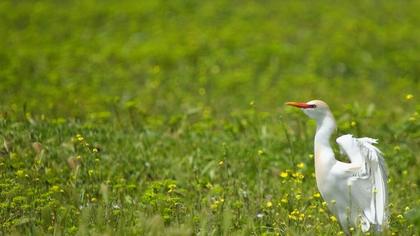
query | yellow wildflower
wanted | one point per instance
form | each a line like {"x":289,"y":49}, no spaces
{"x":171,"y":187}
{"x":55,"y":188}
{"x":296,"y":215}
{"x":216,"y":203}
{"x":409,"y":96}
{"x":269,"y":204}
{"x":298,"y":175}
{"x":284,"y":174}
{"x":301,"y":216}
{"x":333,"y":219}
{"x":317,"y":195}
{"x":20,"y":173}
{"x":300,"y":165}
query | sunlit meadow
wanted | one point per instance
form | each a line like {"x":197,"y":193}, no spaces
{"x":168,"y":117}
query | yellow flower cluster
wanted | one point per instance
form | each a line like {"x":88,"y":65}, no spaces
{"x":298,"y":176}
{"x":82,"y":141}
{"x":216,"y":203}
{"x":284,"y":200}
{"x":296,"y":215}
{"x":171,"y":188}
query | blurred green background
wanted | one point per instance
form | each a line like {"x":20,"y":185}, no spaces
{"x":168,"y":117}
{"x":87,"y":58}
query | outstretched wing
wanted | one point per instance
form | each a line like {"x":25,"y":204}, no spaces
{"x":369,"y":179}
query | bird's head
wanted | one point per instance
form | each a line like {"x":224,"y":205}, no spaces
{"x":315,"y":109}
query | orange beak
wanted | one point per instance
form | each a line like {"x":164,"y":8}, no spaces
{"x":302,"y":105}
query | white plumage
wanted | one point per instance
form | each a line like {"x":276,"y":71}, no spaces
{"x":355,"y":192}
{"x":367,"y":181}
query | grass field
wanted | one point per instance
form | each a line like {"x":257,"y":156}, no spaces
{"x":168,"y":117}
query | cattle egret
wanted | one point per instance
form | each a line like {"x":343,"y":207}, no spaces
{"x":355,"y":192}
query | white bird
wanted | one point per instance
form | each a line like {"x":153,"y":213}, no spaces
{"x":356,"y":192}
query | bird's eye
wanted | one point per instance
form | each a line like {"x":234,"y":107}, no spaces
{"x":312,"y":106}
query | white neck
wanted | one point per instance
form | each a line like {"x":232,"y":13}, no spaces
{"x":325,"y":127}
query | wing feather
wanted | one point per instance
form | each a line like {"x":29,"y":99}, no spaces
{"x":368,"y":182}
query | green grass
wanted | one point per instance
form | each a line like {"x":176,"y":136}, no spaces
{"x":167,"y":117}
